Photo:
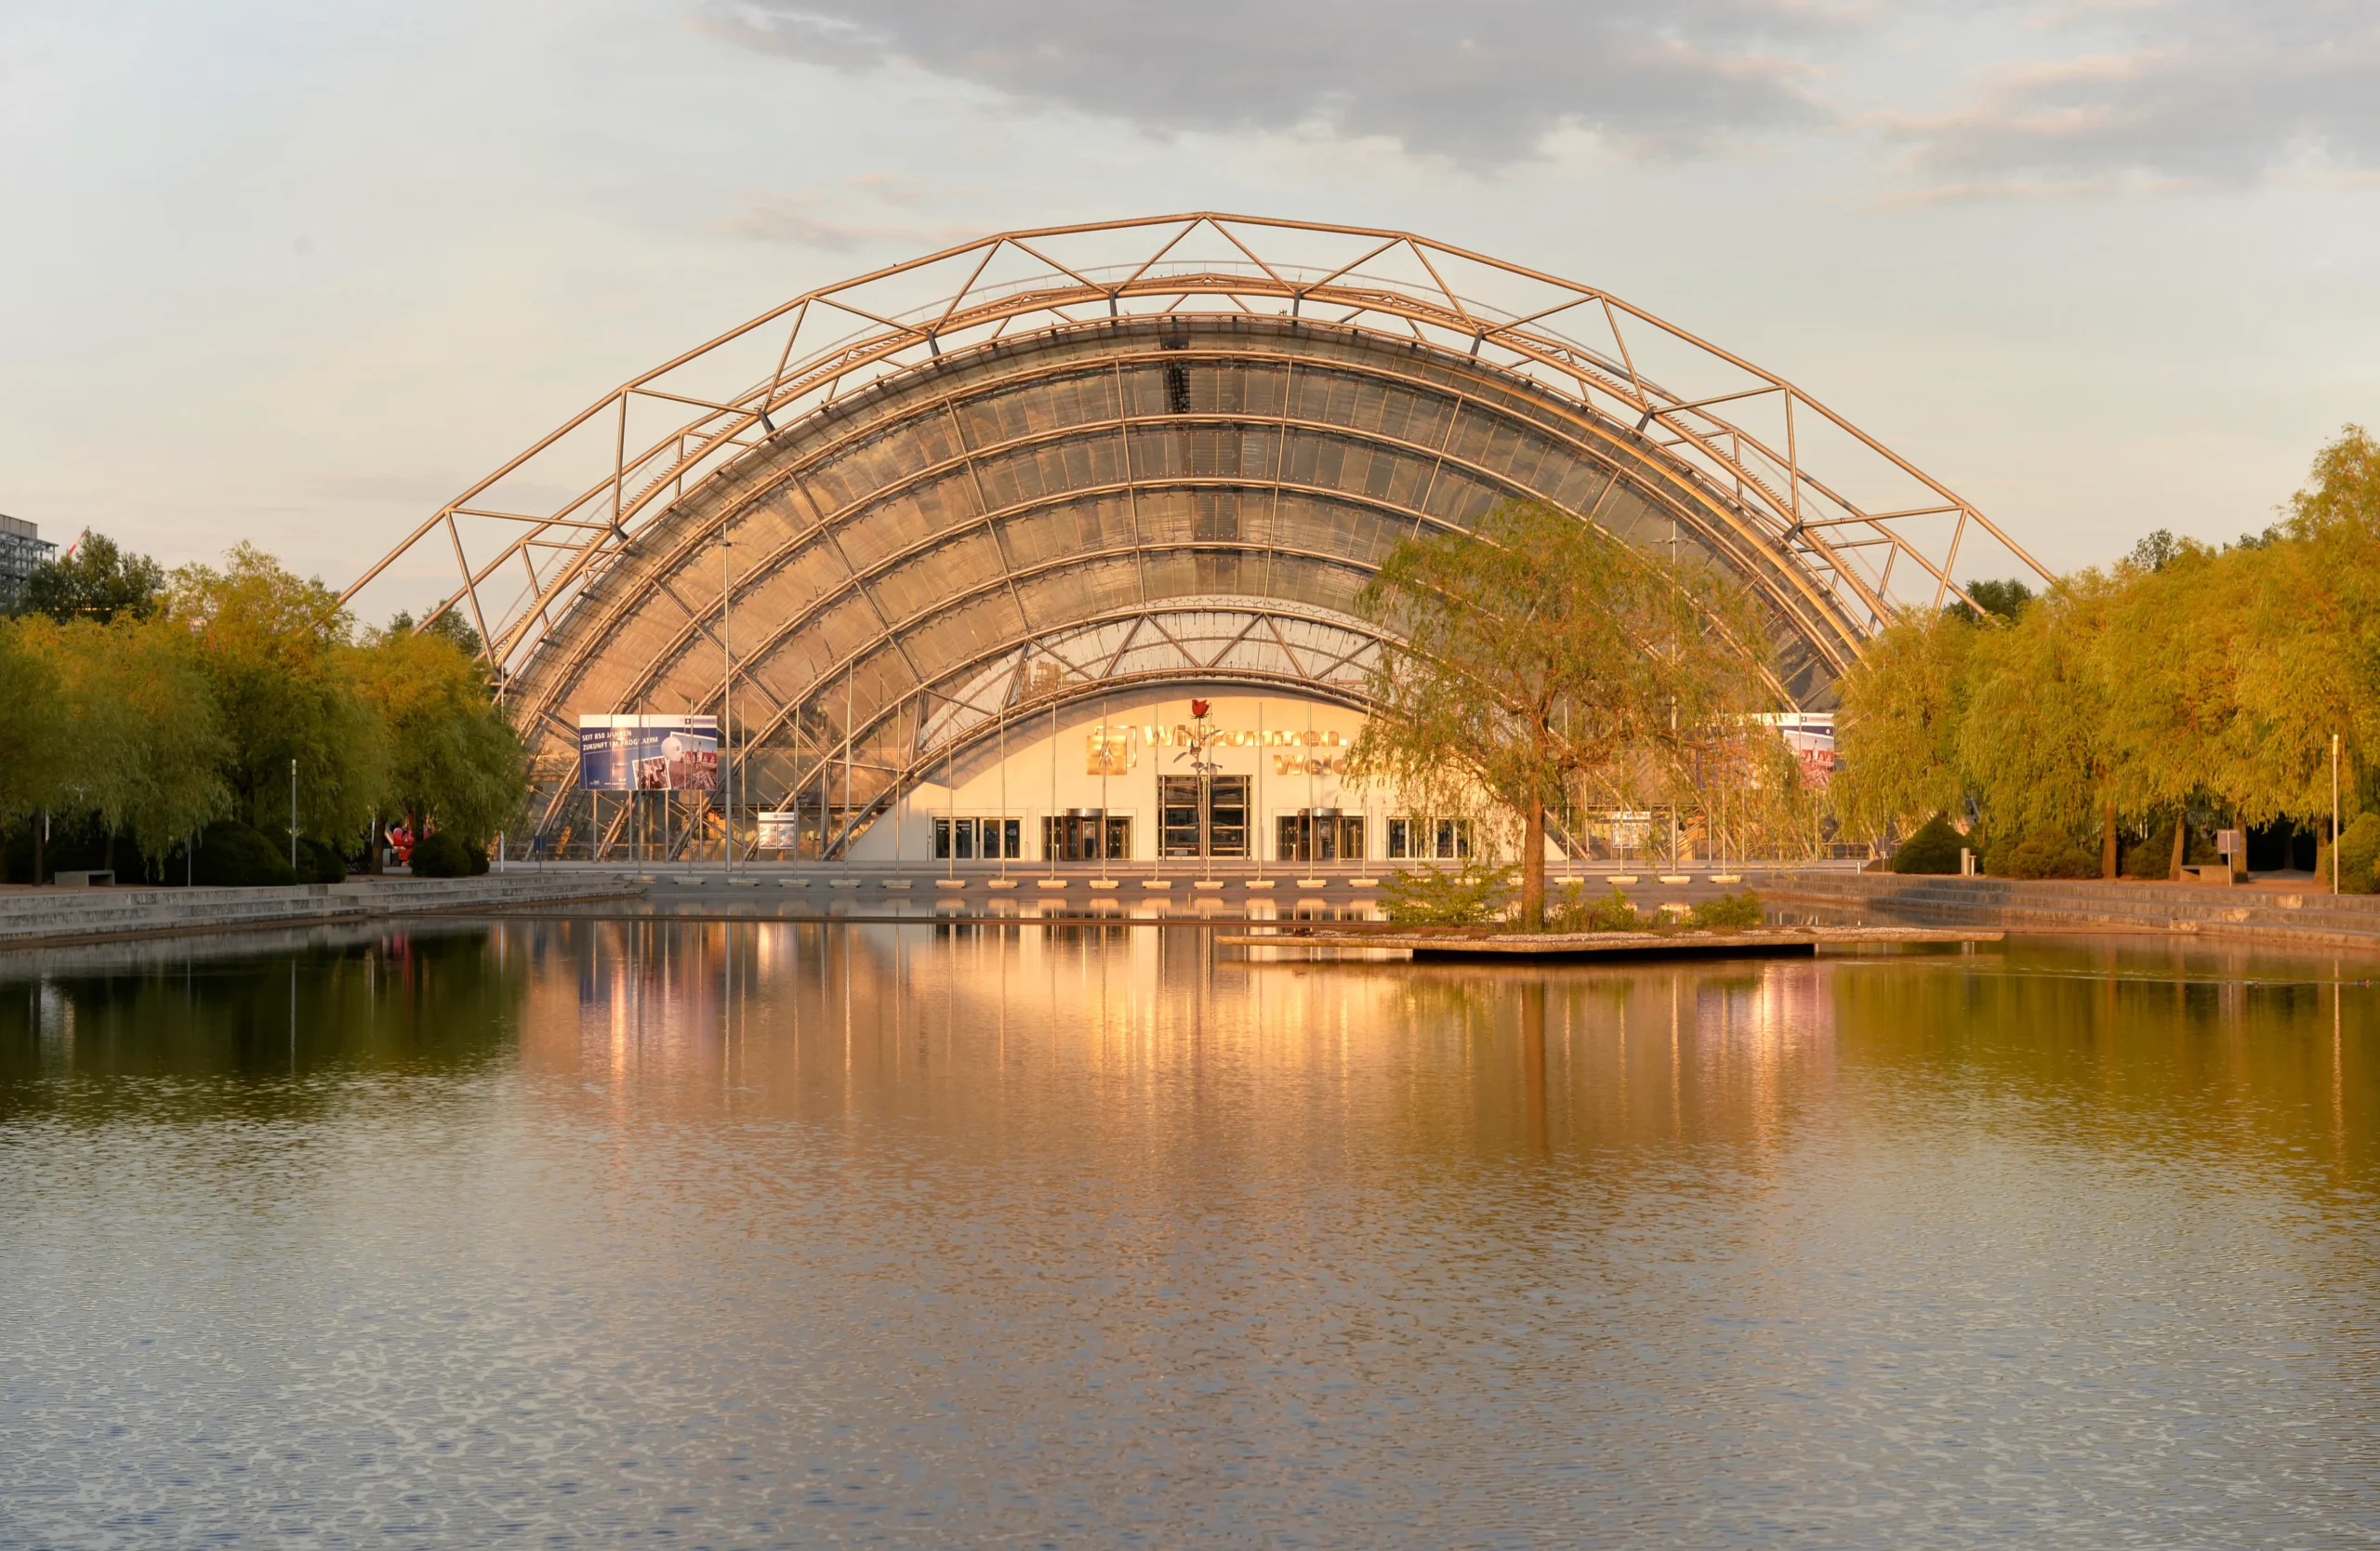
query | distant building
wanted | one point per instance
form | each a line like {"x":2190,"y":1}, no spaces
{"x":21,"y":549}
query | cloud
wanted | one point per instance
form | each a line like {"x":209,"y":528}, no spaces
{"x":2199,"y":94}
{"x":1482,"y":84}
{"x":811,"y":221}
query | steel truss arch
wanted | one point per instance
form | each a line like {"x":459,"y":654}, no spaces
{"x":1016,"y":439}
{"x":1809,"y":609}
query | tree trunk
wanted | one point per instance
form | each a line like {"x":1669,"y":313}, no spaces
{"x":2181,"y":839}
{"x":1533,"y":867}
{"x":2107,"y":844}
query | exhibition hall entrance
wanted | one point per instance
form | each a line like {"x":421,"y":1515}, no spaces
{"x":1203,"y":816}
{"x":1321,"y":835}
{"x":1086,"y":835}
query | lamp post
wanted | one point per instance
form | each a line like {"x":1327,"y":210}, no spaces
{"x":726,"y":704}
{"x":2335,"y":813}
{"x":293,"y":816}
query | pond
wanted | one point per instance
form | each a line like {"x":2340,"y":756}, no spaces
{"x":765,"y":1234}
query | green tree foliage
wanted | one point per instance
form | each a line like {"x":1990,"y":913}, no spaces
{"x":97,"y":581}
{"x":1903,"y":705}
{"x":2033,"y":740}
{"x":33,"y":721}
{"x":277,"y":651}
{"x":130,"y":716}
{"x":2001,"y":599}
{"x":2186,"y":681}
{"x":454,"y":761}
{"x":145,"y":741}
{"x":1538,"y":653}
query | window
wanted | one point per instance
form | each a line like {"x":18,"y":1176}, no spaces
{"x":1320,"y":838}
{"x":1422,"y":838}
{"x":966,"y":839}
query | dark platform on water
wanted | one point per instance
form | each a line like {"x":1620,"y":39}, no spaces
{"x":1765,"y":942}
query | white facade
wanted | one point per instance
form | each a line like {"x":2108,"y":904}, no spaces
{"x":1292,"y":751}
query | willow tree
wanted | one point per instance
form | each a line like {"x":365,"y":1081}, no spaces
{"x":278,"y":651}
{"x":32,"y":735}
{"x":454,"y":761}
{"x":1904,"y":702}
{"x":2035,"y":736}
{"x":1536,"y":653}
{"x":144,"y":741}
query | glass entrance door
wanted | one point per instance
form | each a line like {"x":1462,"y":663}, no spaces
{"x":1203,"y":816}
{"x":1086,"y":835}
{"x":1323,"y":835}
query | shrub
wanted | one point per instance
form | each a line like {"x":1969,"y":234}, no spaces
{"x":444,"y":854}
{"x":1729,"y":911}
{"x":230,"y":855}
{"x":1573,"y":910}
{"x":2359,"y":855}
{"x":318,"y":863}
{"x":2152,"y":856}
{"x":1473,"y":894}
{"x":1934,"y":848}
{"x":2043,"y":853}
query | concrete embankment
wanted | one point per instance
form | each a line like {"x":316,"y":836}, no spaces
{"x":42,"y":918}
{"x":2307,"y":917}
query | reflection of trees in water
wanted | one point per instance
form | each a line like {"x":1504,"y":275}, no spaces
{"x":2135,"y":1047}
{"x":205,"y":1031}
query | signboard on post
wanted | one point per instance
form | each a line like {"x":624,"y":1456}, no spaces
{"x":779,"y":829}
{"x":648,"y":753}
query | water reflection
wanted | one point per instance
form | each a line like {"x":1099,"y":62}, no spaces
{"x":971,"y":1231}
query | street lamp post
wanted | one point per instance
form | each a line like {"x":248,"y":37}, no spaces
{"x":726,"y":704}
{"x":293,"y":816}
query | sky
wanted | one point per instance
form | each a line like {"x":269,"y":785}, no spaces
{"x":299,"y":273}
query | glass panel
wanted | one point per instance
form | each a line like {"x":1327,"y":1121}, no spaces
{"x":1015,"y":827}
{"x":1227,"y":816}
{"x":1396,"y":841}
{"x":1351,"y":839}
{"x":1075,"y":837}
{"x":966,"y":835}
{"x":1178,"y":815}
{"x":941,"y":839}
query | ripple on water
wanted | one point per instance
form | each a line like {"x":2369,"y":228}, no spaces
{"x":563,"y":1233}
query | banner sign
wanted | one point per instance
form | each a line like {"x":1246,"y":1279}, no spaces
{"x":780,"y":830}
{"x":648,"y":753}
{"x":1811,"y":737}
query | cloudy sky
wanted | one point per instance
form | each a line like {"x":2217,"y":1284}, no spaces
{"x":300,"y":272}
